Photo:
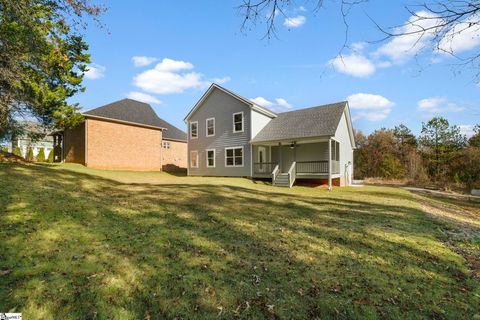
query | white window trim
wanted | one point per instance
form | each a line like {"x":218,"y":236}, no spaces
{"x":243,"y":121}
{"x":191,"y":166}
{"x":214,"y":156}
{"x":192,"y":122}
{"x":206,"y":126}
{"x":243,"y":157}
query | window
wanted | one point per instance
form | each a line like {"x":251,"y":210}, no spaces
{"x":193,"y":159}
{"x":335,"y":150}
{"x":166,"y":145}
{"x":238,"y":122}
{"x":194,"y":130}
{"x":234,"y":157}
{"x":210,"y":127}
{"x":211,"y":158}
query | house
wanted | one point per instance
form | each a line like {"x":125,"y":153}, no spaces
{"x":126,"y":134}
{"x":229,"y":135}
{"x":25,"y":141}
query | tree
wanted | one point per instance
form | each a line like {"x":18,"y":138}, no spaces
{"x":16,"y":151}
{"x":437,"y":24}
{"x":41,"y":155}
{"x":440,"y":144}
{"x":50,"y":156}
{"x":43,"y":60}
{"x":29,"y":155}
{"x":474,"y":141}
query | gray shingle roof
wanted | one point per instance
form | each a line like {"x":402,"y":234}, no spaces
{"x":304,"y":123}
{"x":137,"y":112}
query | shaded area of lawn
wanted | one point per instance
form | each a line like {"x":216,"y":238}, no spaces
{"x":77,"y":245}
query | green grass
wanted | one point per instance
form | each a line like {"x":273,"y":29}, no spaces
{"x":78,"y":243}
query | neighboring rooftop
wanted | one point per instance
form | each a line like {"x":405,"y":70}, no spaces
{"x":304,"y":123}
{"x":137,"y":112}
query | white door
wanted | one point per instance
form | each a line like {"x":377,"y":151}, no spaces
{"x":262,"y":153}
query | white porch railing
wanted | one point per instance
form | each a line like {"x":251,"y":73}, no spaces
{"x":292,"y":174}
{"x":275,"y":172}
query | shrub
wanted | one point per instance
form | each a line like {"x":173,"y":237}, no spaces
{"x":41,"y":155}
{"x":50,"y":156}
{"x":17,"y":152}
{"x":29,"y":155}
{"x":391,"y":167}
{"x":5,"y":149}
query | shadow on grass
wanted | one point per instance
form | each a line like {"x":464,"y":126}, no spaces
{"x":79,"y":246}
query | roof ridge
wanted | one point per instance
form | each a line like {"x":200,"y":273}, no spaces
{"x":315,"y":107}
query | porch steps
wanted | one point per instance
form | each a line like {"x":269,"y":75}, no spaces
{"x":281,"y":180}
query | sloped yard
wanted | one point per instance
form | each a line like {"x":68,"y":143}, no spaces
{"x":81,"y":244}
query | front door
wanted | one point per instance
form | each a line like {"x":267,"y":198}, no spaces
{"x":262,"y":153}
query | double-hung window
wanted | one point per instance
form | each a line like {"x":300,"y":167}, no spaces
{"x":234,"y":157}
{"x":238,"y":122}
{"x":194,"y":130}
{"x":193,"y":159}
{"x":210,"y":158}
{"x":210,"y":127}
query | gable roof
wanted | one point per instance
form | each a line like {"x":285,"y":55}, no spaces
{"x":137,"y":113}
{"x":304,"y":123}
{"x":251,"y":104}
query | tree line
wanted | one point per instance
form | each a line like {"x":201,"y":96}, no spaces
{"x":440,"y":156}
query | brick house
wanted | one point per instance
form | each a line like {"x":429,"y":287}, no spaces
{"x":124,"y":135}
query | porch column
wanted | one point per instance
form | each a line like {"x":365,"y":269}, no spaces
{"x":280,"y":156}
{"x":295,"y":151}
{"x":329,"y":164}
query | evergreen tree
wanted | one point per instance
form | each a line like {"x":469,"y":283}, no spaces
{"x":50,"y":156}
{"x":29,"y":155}
{"x":17,"y":152}
{"x":41,"y":155}
{"x":440,"y":144}
{"x":475,"y":140}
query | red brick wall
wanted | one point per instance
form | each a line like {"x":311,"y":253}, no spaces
{"x":74,"y":144}
{"x":112,"y":145}
{"x":175,"y":157}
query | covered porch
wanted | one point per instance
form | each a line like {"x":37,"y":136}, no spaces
{"x":286,"y":161}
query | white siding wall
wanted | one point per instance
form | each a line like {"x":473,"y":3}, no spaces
{"x":259,"y":121}
{"x":346,"y":149}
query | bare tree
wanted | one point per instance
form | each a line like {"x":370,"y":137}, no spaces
{"x":437,"y":25}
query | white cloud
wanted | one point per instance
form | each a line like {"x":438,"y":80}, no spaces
{"x":437,"y":105}
{"x":261,"y":101}
{"x":467,"y":129}
{"x":462,"y":37}
{"x":371,"y":107}
{"x":279,"y":105}
{"x":140,"y":96}
{"x":283,"y":103}
{"x":220,"y":80}
{"x":294,"y":22}
{"x":142,"y":61}
{"x":171,"y":76}
{"x":354,"y":64}
{"x":410,"y":42}
{"x":301,"y":9}
{"x":95,"y":71}
{"x":358,"y":46}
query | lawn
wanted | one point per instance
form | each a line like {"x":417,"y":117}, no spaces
{"x":78,"y":243}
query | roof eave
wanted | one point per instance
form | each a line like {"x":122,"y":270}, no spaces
{"x":290,"y":139}
{"x":233,"y":94}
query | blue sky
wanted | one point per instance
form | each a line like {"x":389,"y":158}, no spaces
{"x":168,"y":52}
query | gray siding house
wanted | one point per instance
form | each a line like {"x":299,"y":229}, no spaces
{"x":229,"y":135}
